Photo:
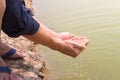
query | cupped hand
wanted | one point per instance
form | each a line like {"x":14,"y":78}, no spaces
{"x":73,"y":45}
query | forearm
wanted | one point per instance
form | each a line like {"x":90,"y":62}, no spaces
{"x":43,"y":36}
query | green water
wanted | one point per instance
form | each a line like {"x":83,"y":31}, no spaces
{"x":99,"y":21}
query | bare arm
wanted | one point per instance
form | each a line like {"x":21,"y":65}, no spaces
{"x":53,"y":40}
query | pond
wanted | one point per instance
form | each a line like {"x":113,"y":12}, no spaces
{"x":99,"y":21}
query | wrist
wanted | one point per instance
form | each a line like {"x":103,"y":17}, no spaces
{"x":57,"y":44}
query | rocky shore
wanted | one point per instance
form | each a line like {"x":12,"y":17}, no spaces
{"x":32,"y":67}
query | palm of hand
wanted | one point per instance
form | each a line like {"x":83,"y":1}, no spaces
{"x":78,"y":44}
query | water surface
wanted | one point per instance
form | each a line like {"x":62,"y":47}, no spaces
{"x":99,"y":21}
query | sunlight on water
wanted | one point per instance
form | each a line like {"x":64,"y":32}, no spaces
{"x":99,"y":21}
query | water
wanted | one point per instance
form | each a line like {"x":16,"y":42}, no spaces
{"x":99,"y":21}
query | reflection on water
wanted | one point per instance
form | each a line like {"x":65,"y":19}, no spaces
{"x":99,"y":21}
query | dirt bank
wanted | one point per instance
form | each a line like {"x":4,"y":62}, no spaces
{"x":32,"y":67}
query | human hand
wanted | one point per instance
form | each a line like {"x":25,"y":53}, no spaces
{"x":6,"y":76}
{"x":78,"y":40}
{"x":71,"y":44}
{"x":13,"y":76}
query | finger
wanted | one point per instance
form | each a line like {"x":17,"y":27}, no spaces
{"x":15,"y":77}
{"x":18,"y":79}
{"x":76,"y":44}
{"x":74,"y":48}
{"x":78,"y":38}
{"x":75,"y":52}
{"x":79,"y":47}
{"x":12,"y":77}
{"x":83,"y":41}
{"x":87,"y":42}
{"x":1,"y":78}
{"x":6,"y":78}
{"x":66,"y":35}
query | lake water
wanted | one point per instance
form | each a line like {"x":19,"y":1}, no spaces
{"x":99,"y":21}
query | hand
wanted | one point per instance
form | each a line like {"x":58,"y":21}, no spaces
{"x":6,"y":76}
{"x":70,"y":44}
{"x":14,"y":77}
{"x":74,"y":38}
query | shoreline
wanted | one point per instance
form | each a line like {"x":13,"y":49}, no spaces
{"x":32,"y":67}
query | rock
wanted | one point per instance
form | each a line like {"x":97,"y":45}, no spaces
{"x":32,"y":67}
